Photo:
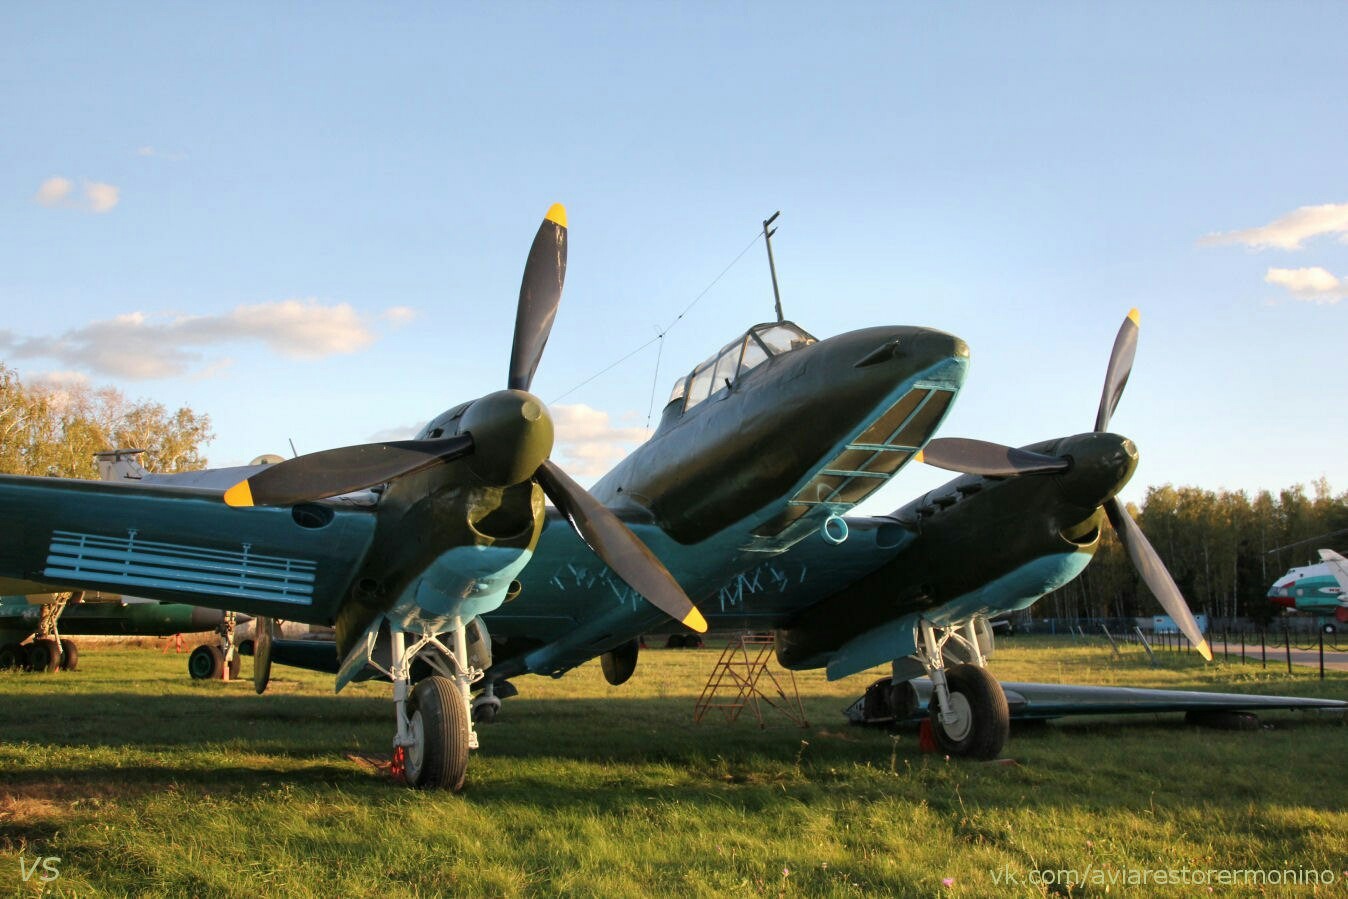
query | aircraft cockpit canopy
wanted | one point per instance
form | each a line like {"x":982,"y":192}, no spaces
{"x":745,"y":352}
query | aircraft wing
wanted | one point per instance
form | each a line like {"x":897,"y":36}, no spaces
{"x":179,"y":544}
{"x":1033,"y":701}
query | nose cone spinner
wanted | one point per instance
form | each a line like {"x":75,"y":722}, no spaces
{"x":513,"y":435}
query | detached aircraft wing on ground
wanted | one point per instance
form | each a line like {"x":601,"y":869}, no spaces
{"x":1044,"y":702}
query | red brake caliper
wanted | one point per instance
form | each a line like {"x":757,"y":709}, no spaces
{"x":398,"y":767}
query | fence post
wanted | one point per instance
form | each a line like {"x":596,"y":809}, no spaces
{"x":1287,"y":646}
{"x":1145,"y":645}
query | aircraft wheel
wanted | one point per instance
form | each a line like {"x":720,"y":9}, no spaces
{"x":44,"y":655}
{"x":206,"y":662}
{"x":903,"y":701}
{"x":983,"y":720}
{"x":438,"y":756}
{"x":70,"y":656}
{"x":13,"y":655}
{"x":675,"y":641}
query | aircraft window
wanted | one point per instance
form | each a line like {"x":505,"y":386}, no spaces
{"x":726,"y":368}
{"x":699,"y":386}
{"x":677,"y":393}
{"x":754,"y":354}
{"x":783,"y":338}
{"x":916,"y":432}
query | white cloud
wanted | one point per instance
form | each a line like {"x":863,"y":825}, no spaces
{"x":100,"y":197}
{"x":1290,"y":231}
{"x":54,"y":191}
{"x":140,"y":346}
{"x":58,"y":193}
{"x":398,"y":315}
{"x":1312,"y":284}
{"x":588,"y":443}
{"x":151,"y":153}
{"x":59,"y":378}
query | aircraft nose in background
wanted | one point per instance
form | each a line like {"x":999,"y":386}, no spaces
{"x":205,"y":619}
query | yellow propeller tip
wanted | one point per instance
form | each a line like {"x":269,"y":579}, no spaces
{"x":920,"y":456}
{"x":1135,"y":317}
{"x":557,"y":214}
{"x":239,"y":496}
{"x":1205,"y":651}
{"x":695,"y":621}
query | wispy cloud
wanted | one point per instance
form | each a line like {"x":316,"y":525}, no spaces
{"x":1290,"y":231}
{"x":140,"y":346}
{"x":1314,"y":285}
{"x":54,"y":191}
{"x":152,"y":153}
{"x":59,"y":193}
{"x":588,"y":443}
{"x":398,"y":315}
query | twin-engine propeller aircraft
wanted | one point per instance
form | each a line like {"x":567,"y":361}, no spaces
{"x":741,"y":491}
{"x":396,"y":544}
{"x":1318,"y":589}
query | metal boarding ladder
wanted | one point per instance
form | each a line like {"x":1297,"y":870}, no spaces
{"x":741,"y":678}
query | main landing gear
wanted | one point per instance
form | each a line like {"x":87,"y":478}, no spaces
{"x":435,"y":730}
{"x":210,"y":661}
{"x":969,"y":714}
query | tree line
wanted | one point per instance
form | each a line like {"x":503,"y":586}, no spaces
{"x":50,"y":429}
{"x":1223,"y":548}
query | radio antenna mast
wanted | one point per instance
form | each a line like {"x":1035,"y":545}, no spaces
{"x":772,"y":266}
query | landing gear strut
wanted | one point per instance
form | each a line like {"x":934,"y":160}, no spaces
{"x":969,"y":714}
{"x":435,"y":730}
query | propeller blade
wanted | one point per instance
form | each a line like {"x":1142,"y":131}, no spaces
{"x":620,"y":549}
{"x":987,"y":459}
{"x":1120,"y":366}
{"x":540,"y":292}
{"x":263,"y":632}
{"x":337,"y":471}
{"x":1155,"y":575}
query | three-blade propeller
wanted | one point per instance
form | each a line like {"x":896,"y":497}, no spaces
{"x":994,"y":460}
{"x":334,"y":472}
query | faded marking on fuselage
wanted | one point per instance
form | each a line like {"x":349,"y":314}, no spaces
{"x":773,"y":576}
{"x":583,"y":577}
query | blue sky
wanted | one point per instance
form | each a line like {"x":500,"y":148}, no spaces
{"x":310,"y":221}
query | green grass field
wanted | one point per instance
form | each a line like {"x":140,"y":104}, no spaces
{"x":143,"y":782}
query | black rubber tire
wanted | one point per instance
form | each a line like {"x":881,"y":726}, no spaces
{"x":675,"y":641}
{"x":206,"y":662}
{"x":13,"y":656}
{"x":44,"y":655}
{"x":70,"y":655}
{"x":619,"y":663}
{"x":903,"y":701}
{"x":441,"y":760}
{"x":989,"y":717}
